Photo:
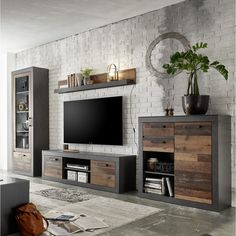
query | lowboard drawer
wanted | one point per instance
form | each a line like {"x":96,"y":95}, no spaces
{"x":103,"y":167}
{"x":158,"y":129}
{"x":103,"y":173}
{"x":22,"y":162}
{"x":158,"y":144}
{"x":103,"y":180}
{"x":53,"y":166}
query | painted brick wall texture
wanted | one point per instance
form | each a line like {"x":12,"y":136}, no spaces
{"x":125,"y":43}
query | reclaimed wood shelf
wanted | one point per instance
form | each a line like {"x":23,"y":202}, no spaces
{"x":126,"y":77}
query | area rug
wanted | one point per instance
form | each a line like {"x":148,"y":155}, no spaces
{"x":114,"y":212}
{"x":68,"y":195}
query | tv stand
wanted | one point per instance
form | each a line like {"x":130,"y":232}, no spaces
{"x":101,"y":171}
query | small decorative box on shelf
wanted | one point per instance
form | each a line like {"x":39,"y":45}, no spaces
{"x":126,"y":77}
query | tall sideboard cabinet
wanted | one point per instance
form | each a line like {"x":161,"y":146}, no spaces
{"x":30,"y":119}
{"x":186,"y":160}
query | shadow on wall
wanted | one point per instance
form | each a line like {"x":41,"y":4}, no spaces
{"x":191,"y":19}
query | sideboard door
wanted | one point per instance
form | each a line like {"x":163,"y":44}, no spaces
{"x":193,"y":161}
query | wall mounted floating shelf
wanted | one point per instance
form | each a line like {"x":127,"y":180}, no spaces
{"x":126,"y":77}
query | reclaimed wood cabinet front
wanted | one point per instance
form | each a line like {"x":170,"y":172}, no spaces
{"x":103,"y":173}
{"x":199,"y":149}
{"x":52,"y":166}
{"x":193,"y":161}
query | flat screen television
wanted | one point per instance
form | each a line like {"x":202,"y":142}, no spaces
{"x":94,"y":121}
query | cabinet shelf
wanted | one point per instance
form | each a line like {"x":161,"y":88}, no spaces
{"x":159,"y":173}
{"x":114,"y":83}
{"x":22,"y":112}
{"x":23,"y":92}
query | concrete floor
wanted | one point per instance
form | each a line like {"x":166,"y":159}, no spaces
{"x":174,"y":220}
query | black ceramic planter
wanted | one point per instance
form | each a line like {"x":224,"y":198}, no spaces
{"x":195,"y":104}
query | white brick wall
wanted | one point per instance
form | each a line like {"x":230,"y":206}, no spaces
{"x":125,"y":44}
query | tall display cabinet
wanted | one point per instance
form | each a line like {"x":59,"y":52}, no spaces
{"x":30,"y":119}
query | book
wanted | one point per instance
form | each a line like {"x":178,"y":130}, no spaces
{"x":150,"y":190}
{"x":170,"y":190}
{"x":63,"y":228}
{"x":153,"y":180}
{"x":163,"y":186}
{"x":87,"y":223}
{"x":155,"y":186}
{"x":61,"y":216}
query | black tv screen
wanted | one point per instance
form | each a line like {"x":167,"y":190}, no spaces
{"x":94,"y":121}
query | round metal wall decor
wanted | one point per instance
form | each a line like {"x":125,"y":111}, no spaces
{"x":149,"y":55}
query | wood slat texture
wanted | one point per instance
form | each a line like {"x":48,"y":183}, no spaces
{"x":53,"y":166}
{"x":123,"y":74}
{"x":193,"y":162}
{"x":158,"y":144}
{"x":103,"y":173}
{"x":158,"y":129}
{"x":22,"y":162}
{"x":103,"y":180}
{"x":193,"y":144}
{"x":193,"y":128}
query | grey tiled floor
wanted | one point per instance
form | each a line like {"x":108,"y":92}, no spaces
{"x":172,"y":221}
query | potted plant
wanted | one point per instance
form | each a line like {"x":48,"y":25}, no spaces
{"x":86,"y":75}
{"x":193,"y":62}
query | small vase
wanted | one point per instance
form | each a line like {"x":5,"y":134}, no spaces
{"x":85,"y":80}
{"x":195,"y":104}
{"x":79,"y":79}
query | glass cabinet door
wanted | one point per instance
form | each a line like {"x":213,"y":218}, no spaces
{"x":22,"y":112}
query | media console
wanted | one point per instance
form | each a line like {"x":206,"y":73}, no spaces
{"x":101,"y":171}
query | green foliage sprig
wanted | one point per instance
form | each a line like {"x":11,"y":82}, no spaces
{"x":86,"y":72}
{"x":191,"y":61}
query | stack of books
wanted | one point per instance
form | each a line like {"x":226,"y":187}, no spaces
{"x":154,"y":185}
{"x":160,"y":186}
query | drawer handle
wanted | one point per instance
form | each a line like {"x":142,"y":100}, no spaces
{"x":107,"y":165}
{"x":200,"y":126}
{"x":164,"y":126}
{"x":164,"y":142}
{"x":54,"y":159}
{"x":24,"y":155}
{"x":109,"y":177}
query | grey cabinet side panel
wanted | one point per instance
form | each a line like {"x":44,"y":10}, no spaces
{"x":40,"y":116}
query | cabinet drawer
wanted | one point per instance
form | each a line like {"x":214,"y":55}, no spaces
{"x":158,"y":129}
{"x":22,"y":162}
{"x":158,"y":144}
{"x":193,"y":128}
{"x":53,"y":166}
{"x":103,"y":173}
{"x":103,"y":180}
{"x":103,"y":167}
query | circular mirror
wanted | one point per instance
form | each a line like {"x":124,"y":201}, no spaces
{"x":161,"y":49}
